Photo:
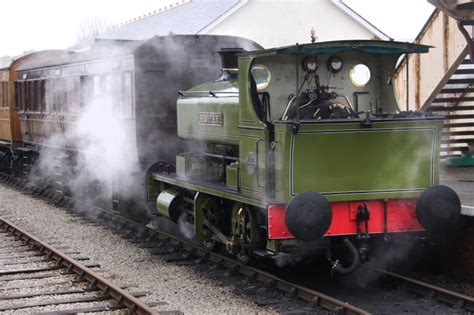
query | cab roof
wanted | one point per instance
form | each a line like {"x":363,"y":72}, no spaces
{"x":337,"y":47}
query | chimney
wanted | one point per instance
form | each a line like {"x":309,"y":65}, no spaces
{"x":230,"y":63}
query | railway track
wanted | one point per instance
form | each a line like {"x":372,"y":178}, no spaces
{"x":433,"y":292}
{"x":177,"y":249}
{"x":34,"y":276}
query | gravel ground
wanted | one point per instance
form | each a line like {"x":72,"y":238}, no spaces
{"x":181,"y":287}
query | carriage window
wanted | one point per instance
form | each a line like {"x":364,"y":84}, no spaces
{"x":17,"y":95}
{"x":82,"y":94}
{"x":96,"y":85}
{"x":7,"y":94}
{"x":73,"y":97}
{"x":359,"y":75}
{"x":34,"y":96}
{"x":49,"y":96}
{"x":108,"y":83}
{"x":24,"y":96}
{"x":113,"y":92}
{"x":41,"y":96}
{"x":86,"y":90}
{"x":2,"y":95}
{"x":32,"y":93}
{"x":37,"y":93}
{"x":126,"y":101}
{"x":2,"y":103}
{"x":52,"y":95}
{"x":29,"y":96}
{"x":59,"y":95}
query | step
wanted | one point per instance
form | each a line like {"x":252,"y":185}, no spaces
{"x":459,"y":125}
{"x":456,"y":90}
{"x":459,"y":133}
{"x":459,"y":148}
{"x":453,"y":99}
{"x":465,"y":71}
{"x":450,"y":108}
{"x":460,"y":81}
{"x":452,"y":141}
{"x":467,"y":116}
{"x":446,"y":156}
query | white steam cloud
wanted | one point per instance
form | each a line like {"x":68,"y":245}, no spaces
{"x":102,"y":156}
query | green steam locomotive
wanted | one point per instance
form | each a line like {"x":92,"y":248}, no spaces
{"x":304,"y":145}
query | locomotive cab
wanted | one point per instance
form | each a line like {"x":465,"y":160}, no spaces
{"x":332,"y":80}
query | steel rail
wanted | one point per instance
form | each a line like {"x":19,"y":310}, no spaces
{"x":317,"y":299}
{"x":314,"y":297}
{"x":455,"y":299}
{"x":134,"y":305}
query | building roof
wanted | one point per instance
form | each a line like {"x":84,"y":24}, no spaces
{"x":190,"y":17}
{"x":200,"y":16}
{"x":5,"y":62}
{"x":361,"y":20}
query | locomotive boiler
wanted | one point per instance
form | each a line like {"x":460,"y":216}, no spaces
{"x":301,"y":145}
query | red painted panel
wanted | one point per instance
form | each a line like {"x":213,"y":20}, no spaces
{"x":401,"y":217}
{"x":277,"y":228}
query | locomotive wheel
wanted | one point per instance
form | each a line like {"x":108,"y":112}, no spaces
{"x":248,"y":234}
{"x":210,"y":244}
{"x":244,"y":258}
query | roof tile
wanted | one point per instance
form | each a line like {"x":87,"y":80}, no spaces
{"x":189,"y":18}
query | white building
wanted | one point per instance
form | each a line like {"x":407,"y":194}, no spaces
{"x":270,"y":23}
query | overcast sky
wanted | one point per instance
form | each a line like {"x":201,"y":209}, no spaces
{"x":48,"y":24}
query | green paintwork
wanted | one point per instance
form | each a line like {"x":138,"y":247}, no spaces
{"x":248,"y":117}
{"x":165,"y":200}
{"x":344,"y":161}
{"x":201,"y":200}
{"x":253,"y":157}
{"x":253,"y":141}
{"x":153,"y":188}
{"x":232,"y":175}
{"x":207,"y":189}
{"x":190,"y":165}
{"x":197,"y":101}
{"x":338,"y":47}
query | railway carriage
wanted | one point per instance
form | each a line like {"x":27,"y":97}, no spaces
{"x":10,"y":135}
{"x":305,"y":145}
{"x":12,"y":149}
{"x":125,"y":86}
